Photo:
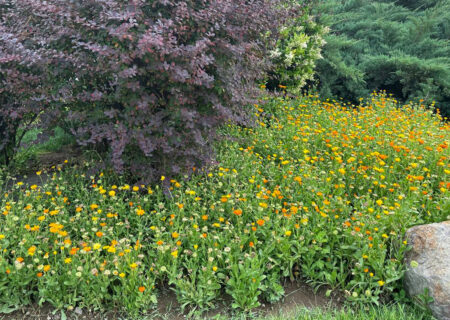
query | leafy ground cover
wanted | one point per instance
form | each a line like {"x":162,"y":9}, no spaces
{"x":322,"y":191}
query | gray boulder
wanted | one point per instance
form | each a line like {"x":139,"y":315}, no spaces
{"x":428,"y":265}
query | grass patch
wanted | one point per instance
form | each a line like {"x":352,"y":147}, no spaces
{"x":391,"y":312}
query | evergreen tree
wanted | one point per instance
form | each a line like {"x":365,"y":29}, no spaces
{"x":402,"y":47}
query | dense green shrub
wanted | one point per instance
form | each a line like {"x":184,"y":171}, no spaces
{"x":147,"y":80}
{"x":297,"y":49}
{"x":399,"y":46}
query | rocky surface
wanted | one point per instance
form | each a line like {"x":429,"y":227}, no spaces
{"x":428,"y":266}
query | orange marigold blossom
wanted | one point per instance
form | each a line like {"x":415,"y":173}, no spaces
{"x":237,"y":212}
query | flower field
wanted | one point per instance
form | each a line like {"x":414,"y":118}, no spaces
{"x":321,"y":190}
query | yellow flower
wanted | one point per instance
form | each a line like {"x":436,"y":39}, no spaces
{"x":288,"y":233}
{"x":175,"y":234}
{"x":263,"y":205}
{"x":111,"y":249}
{"x":133,"y":266}
{"x":135,"y":188}
{"x":67,"y":260}
{"x":96,"y":246}
{"x":46,"y":268}
{"x":38,"y":173}
{"x":163,"y":178}
{"x":381,"y":283}
{"x":122,"y":275}
{"x":379,"y":202}
{"x":2,"y":236}
{"x":31,"y":250}
{"x":112,"y":193}
{"x":174,"y":253}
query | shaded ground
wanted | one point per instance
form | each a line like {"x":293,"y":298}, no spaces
{"x":296,"y":295}
{"x":49,"y":162}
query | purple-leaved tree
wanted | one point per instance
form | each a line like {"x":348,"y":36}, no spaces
{"x":149,"y":80}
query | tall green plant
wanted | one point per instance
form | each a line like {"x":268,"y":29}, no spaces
{"x":296,"y":52}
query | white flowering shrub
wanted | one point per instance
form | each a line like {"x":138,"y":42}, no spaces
{"x":294,"y":57}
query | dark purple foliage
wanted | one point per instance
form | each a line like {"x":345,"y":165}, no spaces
{"x":151,"y":80}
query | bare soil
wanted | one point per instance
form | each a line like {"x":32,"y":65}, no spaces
{"x":297,"y":295}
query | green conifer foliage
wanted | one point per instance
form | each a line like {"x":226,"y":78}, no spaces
{"x":402,"y":47}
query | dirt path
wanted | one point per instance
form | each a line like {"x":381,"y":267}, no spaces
{"x":296,"y":295}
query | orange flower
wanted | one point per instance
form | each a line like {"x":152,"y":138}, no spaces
{"x":141,"y":289}
{"x":251,"y":244}
{"x":99,"y":234}
{"x":39,"y":274}
{"x":237,"y":212}
{"x":260,"y":222}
